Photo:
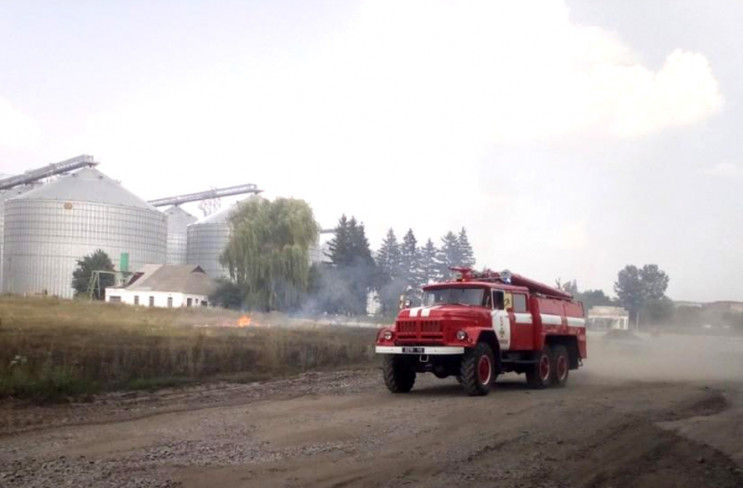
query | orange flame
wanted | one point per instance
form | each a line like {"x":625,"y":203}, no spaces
{"x":244,"y":321}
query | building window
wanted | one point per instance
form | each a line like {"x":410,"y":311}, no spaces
{"x":188,"y":302}
{"x":136,"y":299}
{"x":203,"y":303}
{"x":152,"y":301}
{"x":170,"y":302}
{"x":115,"y":299}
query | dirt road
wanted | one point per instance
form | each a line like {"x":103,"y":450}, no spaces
{"x":613,"y":426}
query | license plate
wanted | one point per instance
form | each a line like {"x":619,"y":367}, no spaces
{"x":412,"y":350}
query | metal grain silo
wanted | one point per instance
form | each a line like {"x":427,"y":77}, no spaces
{"x":178,"y":221}
{"x":207,"y":239}
{"x":48,"y":229}
{"x":5,"y":195}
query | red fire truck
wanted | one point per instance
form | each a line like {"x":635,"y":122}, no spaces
{"x":481,"y":325}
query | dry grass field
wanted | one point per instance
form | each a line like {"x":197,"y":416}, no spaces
{"x":52,"y":348}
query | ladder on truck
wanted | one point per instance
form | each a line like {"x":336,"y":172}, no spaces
{"x":508,"y":278}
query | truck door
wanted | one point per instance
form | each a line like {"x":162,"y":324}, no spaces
{"x":522,"y":328}
{"x":501,"y":321}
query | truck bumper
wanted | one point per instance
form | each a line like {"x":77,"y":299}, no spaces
{"x":430,"y":350}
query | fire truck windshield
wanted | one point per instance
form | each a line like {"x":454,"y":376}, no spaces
{"x":454,"y":295}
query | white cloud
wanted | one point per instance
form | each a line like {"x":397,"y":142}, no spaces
{"x":504,"y":71}
{"x":16,"y":128}
{"x":683,"y":92}
{"x":409,"y":94}
{"x":725,"y":169}
{"x":573,"y":236}
{"x":445,"y":75}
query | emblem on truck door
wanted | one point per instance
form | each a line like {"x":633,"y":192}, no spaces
{"x":502,"y":328}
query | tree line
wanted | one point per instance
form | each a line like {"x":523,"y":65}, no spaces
{"x":267,"y":258}
{"x":641,"y":291}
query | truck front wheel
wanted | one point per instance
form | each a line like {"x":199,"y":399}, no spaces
{"x":477,"y":372}
{"x":399,"y":376}
{"x":539,"y":374}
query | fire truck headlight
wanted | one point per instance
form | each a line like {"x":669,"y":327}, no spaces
{"x":387,"y":335}
{"x":461,"y":335}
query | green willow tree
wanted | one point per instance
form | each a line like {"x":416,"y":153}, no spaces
{"x":268,"y":252}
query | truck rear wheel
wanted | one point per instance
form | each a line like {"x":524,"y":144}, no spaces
{"x":560,"y":366}
{"x":539,"y":374}
{"x":399,"y":376}
{"x":477,"y":371}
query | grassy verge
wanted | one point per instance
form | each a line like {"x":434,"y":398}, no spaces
{"x":52,"y":349}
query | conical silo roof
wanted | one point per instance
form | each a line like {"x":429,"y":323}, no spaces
{"x":87,"y":185}
{"x":178,"y":219}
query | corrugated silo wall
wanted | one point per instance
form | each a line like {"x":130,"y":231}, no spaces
{"x":206,"y":242}
{"x":178,"y":222}
{"x":177,"y":248}
{"x":45,"y":238}
{"x":2,"y":239}
{"x":4,"y":195}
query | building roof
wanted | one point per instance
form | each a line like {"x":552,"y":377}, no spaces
{"x":174,"y":278}
{"x":87,"y":185}
{"x":730,"y":305}
{"x":607,"y":311}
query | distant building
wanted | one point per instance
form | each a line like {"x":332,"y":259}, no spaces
{"x":725,"y":306}
{"x":165,"y":285}
{"x":608,"y":318}
{"x":318,"y":253}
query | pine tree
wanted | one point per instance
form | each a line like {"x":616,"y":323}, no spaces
{"x":410,"y":260}
{"x":359,"y":250}
{"x":344,"y":285}
{"x":338,"y":247}
{"x":448,"y":255}
{"x":388,"y":256}
{"x":428,"y":263}
{"x":465,"y":250}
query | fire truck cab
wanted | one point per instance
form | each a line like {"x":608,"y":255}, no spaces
{"x":482,"y":325}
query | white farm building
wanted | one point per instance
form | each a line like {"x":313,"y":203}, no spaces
{"x":165,"y":285}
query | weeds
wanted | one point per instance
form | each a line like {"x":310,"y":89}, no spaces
{"x":52,"y":348}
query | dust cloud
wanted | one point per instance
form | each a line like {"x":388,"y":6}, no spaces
{"x":665,"y":357}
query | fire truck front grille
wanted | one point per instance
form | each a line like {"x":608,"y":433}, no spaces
{"x":419,"y":329}
{"x":407,"y":327}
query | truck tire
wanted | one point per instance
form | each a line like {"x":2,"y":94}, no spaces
{"x":477,"y":370}
{"x":560,"y":366}
{"x":539,"y":374}
{"x":399,"y":376}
